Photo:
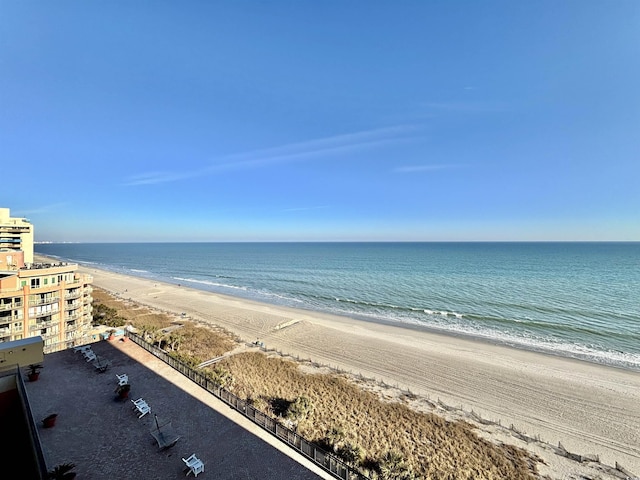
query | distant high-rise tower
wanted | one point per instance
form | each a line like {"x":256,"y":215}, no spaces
{"x":16,"y":234}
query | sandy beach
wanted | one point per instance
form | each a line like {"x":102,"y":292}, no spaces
{"x":590,"y":409}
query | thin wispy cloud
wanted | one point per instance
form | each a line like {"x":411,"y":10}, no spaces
{"x":41,"y":209}
{"x":425,"y":168}
{"x":151,"y":178}
{"x":466,"y":107}
{"x":304,"y":209}
{"x":299,"y":151}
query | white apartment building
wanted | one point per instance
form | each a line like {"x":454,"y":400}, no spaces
{"x":16,"y":234}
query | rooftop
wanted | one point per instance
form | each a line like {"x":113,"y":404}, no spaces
{"x":105,"y":438}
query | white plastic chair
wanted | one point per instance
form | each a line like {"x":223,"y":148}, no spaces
{"x":143,"y":409}
{"x":122,"y":379}
{"x":194,"y":464}
{"x":90,"y":356}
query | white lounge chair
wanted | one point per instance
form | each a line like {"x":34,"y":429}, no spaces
{"x":90,"y":356}
{"x":194,"y":465}
{"x":122,"y":379}
{"x":143,"y":409}
{"x":141,"y":406}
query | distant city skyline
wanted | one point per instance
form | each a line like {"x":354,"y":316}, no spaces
{"x":321,"y":121}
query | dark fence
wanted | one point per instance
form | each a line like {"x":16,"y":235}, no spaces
{"x":324,"y":459}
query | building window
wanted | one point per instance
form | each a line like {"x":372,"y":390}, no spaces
{"x":24,"y":283}
{"x":46,"y":281}
{"x":35,"y":282}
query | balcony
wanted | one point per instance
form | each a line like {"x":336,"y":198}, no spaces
{"x":41,"y":325}
{"x":72,"y":306}
{"x":72,"y":327}
{"x":43,"y":314}
{"x":44,"y":301}
{"x":73,"y":294}
{"x":72,"y":316}
{"x":14,"y":228}
{"x":6,"y":306}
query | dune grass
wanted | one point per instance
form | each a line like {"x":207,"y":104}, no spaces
{"x":194,"y":340}
{"x":344,"y":414}
{"x":384,"y":439}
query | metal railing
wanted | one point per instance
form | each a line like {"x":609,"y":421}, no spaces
{"x":319,"y":456}
{"x":8,"y":306}
{"x":45,"y":324}
{"x":43,"y":314}
{"x":44,"y":301}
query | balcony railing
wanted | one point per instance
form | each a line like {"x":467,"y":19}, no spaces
{"x":42,"y":314}
{"x":72,"y":316}
{"x":73,"y":305}
{"x":74,"y":294}
{"x":6,"y":306}
{"x":44,"y":301}
{"x":41,"y":325}
{"x":12,"y":228}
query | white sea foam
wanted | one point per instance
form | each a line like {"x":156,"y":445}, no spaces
{"x":264,"y":293}
{"x":442,"y":322}
{"x":207,"y":282}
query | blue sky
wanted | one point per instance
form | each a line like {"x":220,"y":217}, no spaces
{"x":321,"y":120}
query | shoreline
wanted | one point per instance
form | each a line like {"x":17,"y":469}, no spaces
{"x":604,"y":357}
{"x":590,"y":408}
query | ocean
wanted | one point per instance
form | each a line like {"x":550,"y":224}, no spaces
{"x":579,"y":300}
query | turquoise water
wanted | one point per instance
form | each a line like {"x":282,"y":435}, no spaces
{"x":578,"y":300}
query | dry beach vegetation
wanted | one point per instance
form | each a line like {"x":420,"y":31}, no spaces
{"x":384,"y":437}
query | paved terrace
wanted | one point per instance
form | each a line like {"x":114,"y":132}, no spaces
{"x":105,"y":438}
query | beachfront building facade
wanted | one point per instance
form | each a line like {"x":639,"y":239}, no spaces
{"x":50,"y":300}
{"x":16,"y":235}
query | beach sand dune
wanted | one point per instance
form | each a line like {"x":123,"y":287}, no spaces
{"x":589,"y":408}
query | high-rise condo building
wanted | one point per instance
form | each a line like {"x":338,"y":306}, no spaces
{"x":16,"y":234}
{"x":50,"y":300}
